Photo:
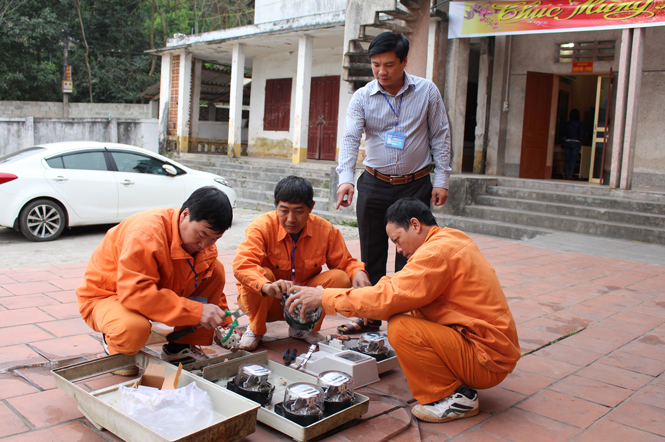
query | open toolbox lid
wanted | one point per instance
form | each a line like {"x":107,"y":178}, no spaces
{"x":235,"y":416}
{"x":226,"y":368}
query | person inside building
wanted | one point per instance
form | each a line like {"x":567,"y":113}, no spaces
{"x":573,"y":134}
{"x":406,"y":127}
{"x":160,"y":265}
{"x":448,"y":318}
{"x":287,"y":247}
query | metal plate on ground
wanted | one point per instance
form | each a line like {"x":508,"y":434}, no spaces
{"x":223,"y":372}
{"x":235,"y":416}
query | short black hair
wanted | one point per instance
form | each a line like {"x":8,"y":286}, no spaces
{"x":211,"y":205}
{"x":390,"y":41}
{"x":402,"y":210}
{"x":294,"y":189}
{"x":575,"y":114}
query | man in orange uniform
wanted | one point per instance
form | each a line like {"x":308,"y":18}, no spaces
{"x":160,"y":265}
{"x":286,"y":247}
{"x":448,"y":319}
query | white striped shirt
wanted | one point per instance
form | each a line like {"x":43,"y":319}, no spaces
{"x":422,"y":119}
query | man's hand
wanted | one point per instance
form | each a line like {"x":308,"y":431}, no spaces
{"x":360,"y":279}
{"x":347,"y":190}
{"x":306,"y":297}
{"x":439,"y":196}
{"x":212,"y":316}
{"x":277,"y":288}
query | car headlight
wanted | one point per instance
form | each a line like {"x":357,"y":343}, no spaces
{"x":222,"y":181}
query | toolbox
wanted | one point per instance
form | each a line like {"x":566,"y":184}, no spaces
{"x":235,"y":416}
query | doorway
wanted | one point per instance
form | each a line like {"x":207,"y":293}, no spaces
{"x":323,"y":114}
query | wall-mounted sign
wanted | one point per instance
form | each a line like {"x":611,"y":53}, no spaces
{"x":582,"y":66}
{"x":67,"y":87}
{"x":68,"y":73}
{"x":485,"y":18}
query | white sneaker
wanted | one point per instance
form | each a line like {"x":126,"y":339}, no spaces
{"x":249,"y":340}
{"x":456,"y":406}
{"x":310,"y":337}
{"x":185,"y":356}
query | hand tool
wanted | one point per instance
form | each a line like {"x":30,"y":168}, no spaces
{"x":307,"y":356}
{"x":289,"y":358}
{"x":179,"y":334}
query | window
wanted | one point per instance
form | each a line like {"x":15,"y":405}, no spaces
{"x":586,"y":51}
{"x":136,"y":163}
{"x":79,"y":161}
{"x":278,"y":104}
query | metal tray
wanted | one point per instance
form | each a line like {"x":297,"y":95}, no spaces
{"x":235,"y":415}
{"x":390,"y":363}
{"x":223,"y":372}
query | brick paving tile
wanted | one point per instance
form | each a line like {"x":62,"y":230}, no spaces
{"x":30,"y":288}
{"x":584,"y":342}
{"x":66,"y":348}
{"x":495,"y":400}
{"x":11,"y":318}
{"x":18,"y":355}
{"x":11,"y":423}
{"x":641,"y":416}
{"x":67,"y":284}
{"x":637,"y":295}
{"x":46,"y":408}
{"x":22,"y":334}
{"x":523,"y":382}
{"x":4,"y":292}
{"x":531,"y":339}
{"x":393,"y":383}
{"x":546,"y":366}
{"x":556,"y":298}
{"x":76,"y":272}
{"x":590,"y":312}
{"x":71,"y":431}
{"x":632,"y":362}
{"x":65,"y":296}
{"x":593,"y":391}
{"x":523,"y":314}
{"x":638,"y":317}
{"x":649,"y":346}
{"x":34,"y":277}
{"x":651,"y":308}
{"x":521,"y":426}
{"x":652,"y":286}
{"x":34,"y":269}
{"x":5,"y":279}
{"x":25,"y":301}
{"x":372,"y":429}
{"x":7,"y":271}
{"x":62,"y":311}
{"x":564,"y":408}
{"x":608,"y":431}
{"x":264,"y":433}
{"x":66,"y":327}
{"x":567,"y":317}
{"x":11,"y":386}
{"x":609,"y":334}
{"x":617,"y":323}
{"x":651,"y":395}
{"x":615,"y":376}
{"x":456,"y":427}
{"x":477,"y":436}
{"x":40,"y":376}
{"x":552,"y":326}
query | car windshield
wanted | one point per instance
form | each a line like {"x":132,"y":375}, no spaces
{"x":19,"y":155}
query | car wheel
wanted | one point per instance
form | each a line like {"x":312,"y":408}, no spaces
{"x":42,"y":220}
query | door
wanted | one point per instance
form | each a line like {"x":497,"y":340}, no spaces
{"x":600,"y":129}
{"x":143,"y":184}
{"x":323,"y":111}
{"x":536,"y":124}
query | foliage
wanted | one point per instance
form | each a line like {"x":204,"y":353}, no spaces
{"x":33,"y":34}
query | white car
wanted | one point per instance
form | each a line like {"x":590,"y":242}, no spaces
{"x":46,"y":188}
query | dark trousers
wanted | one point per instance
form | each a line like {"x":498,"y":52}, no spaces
{"x":374,"y":198}
{"x":572,"y":149}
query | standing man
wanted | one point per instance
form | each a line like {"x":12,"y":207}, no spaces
{"x":405,"y":126}
{"x":286,"y":247}
{"x":448,"y":319}
{"x":160,"y":265}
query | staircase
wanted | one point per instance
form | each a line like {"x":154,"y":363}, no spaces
{"x":254,"y":180}
{"x":523,"y":209}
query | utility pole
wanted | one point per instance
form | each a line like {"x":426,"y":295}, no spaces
{"x":65,"y":96}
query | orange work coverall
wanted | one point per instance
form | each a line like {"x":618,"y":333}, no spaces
{"x":140,"y":272}
{"x":459,"y":329}
{"x":267,"y":255}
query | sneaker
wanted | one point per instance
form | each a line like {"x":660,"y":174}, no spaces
{"x":310,"y":337}
{"x":131,"y":370}
{"x":249,"y":340}
{"x":462,"y":403}
{"x":184,"y":356}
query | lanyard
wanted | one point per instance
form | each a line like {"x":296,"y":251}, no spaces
{"x":196,"y":277}
{"x":293,"y":261}
{"x":399,"y":108}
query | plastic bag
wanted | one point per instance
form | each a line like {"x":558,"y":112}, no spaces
{"x":170,"y":413}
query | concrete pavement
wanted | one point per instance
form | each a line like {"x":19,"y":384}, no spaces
{"x":591,"y":327}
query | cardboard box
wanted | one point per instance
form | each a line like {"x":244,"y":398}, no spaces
{"x":154,"y":376}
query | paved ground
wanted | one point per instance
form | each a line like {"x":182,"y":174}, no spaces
{"x":591,"y":327}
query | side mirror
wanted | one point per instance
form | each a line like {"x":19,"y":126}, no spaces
{"x":170,"y":170}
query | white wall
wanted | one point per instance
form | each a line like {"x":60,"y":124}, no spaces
{"x":272,"y":10}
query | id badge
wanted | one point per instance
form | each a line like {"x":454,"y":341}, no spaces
{"x":394,"y":139}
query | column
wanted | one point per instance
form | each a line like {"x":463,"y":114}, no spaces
{"x":632,"y":105}
{"x":235,"y":100}
{"x":481,"y":110}
{"x":195,"y":106}
{"x":303,"y":87}
{"x":620,"y":108}
{"x":164,"y":95}
{"x":496,"y":133}
{"x":457,"y":76}
{"x":184,"y":100}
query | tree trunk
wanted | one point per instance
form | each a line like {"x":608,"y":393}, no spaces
{"x":87,"y":50}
